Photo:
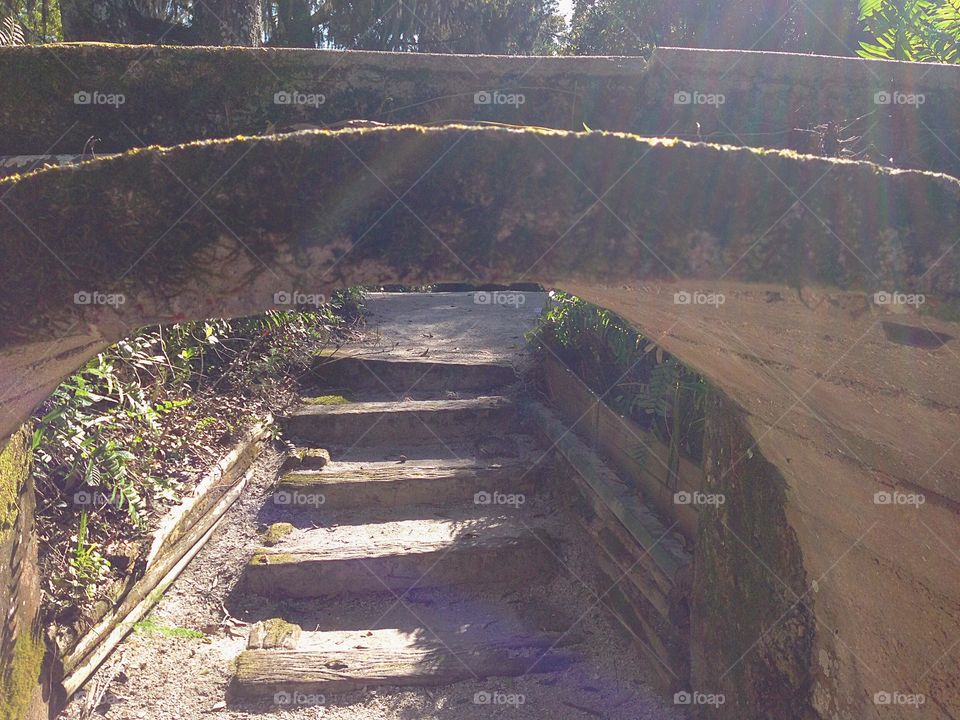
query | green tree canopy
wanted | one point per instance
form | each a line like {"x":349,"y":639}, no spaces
{"x":630,"y":27}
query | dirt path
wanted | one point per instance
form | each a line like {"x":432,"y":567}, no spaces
{"x":411,"y":570}
{"x":484,"y":327}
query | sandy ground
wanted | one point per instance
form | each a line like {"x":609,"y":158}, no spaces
{"x":152,"y":675}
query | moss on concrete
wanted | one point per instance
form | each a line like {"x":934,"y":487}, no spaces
{"x":21,"y":676}
{"x":279,"y":633}
{"x":149,"y":626}
{"x":751,"y":638}
{"x":326,"y":400}
{"x":15,"y":462}
{"x":306,"y":459}
{"x":275,"y":533}
{"x":264,"y":556}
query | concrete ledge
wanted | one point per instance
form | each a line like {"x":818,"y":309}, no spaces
{"x":173,"y":95}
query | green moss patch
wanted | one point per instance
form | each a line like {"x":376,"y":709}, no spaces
{"x":276,"y":633}
{"x":275,"y":533}
{"x":149,"y":626}
{"x":20,"y":677}
{"x":326,"y":400}
{"x":265,"y":557}
{"x":14,"y":469}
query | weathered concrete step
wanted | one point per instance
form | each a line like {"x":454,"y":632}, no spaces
{"x":347,"y":485}
{"x":399,"y":376}
{"x":399,"y":555}
{"x":374,"y":423}
{"x":341,"y":662}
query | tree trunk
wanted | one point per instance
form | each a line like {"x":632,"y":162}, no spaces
{"x":229,"y":22}
{"x":88,"y":20}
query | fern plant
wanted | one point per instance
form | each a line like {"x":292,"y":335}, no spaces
{"x":633,"y":374}
{"x":911,"y":30}
{"x":10,"y":32}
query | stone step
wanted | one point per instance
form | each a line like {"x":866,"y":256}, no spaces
{"x":400,"y":376}
{"x":388,"y":484}
{"x":397,"y":556}
{"x":339,"y":662}
{"x":407,"y":421}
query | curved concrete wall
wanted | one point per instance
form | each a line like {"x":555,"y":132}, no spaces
{"x":93,"y":251}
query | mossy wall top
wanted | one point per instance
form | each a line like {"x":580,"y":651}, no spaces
{"x":54,"y":98}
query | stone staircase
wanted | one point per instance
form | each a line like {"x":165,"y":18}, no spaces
{"x":398,"y":563}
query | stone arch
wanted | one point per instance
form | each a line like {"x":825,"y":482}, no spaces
{"x":813,"y":381}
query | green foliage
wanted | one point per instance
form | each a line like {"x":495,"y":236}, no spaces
{"x":634,"y":27}
{"x":912,"y":30}
{"x":628,"y":371}
{"x":115,"y":441}
{"x":102,"y":428}
{"x":29,"y":21}
{"x":102,"y":425}
{"x":87,"y":567}
{"x":442,"y":26}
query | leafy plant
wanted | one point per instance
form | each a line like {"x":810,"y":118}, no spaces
{"x":914,"y":30}
{"x":87,"y":566}
{"x":631,"y":373}
{"x":10,"y":32}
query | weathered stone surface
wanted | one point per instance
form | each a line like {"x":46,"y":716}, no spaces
{"x":396,"y":556}
{"x":173,"y":95}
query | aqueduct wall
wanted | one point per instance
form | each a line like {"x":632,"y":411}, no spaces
{"x":812,"y":596}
